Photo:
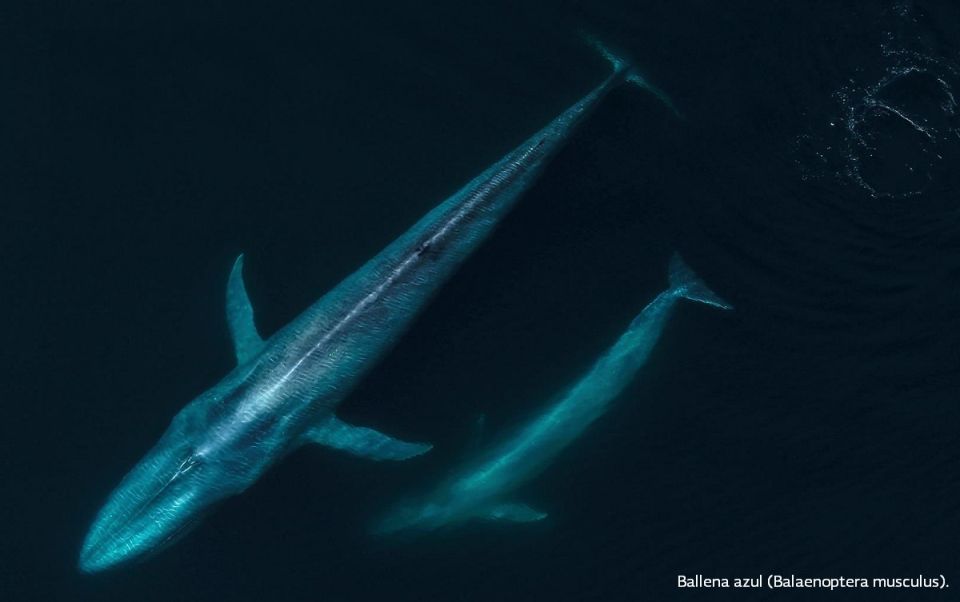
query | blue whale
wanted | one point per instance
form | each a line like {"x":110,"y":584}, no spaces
{"x":482,"y":488}
{"x":284,"y":390}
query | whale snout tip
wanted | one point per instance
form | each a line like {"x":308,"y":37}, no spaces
{"x":92,"y":560}
{"x":89,"y":565}
{"x":99,"y":553}
{"x":107,"y":546}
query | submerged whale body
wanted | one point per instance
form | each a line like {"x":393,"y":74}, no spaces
{"x":284,"y":390}
{"x":481,"y":489}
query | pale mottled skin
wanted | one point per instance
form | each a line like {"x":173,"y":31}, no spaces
{"x":482,"y":487}
{"x":285,"y":393}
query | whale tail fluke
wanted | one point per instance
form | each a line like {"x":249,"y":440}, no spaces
{"x":617,"y":61}
{"x":631,"y":74}
{"x":685,"y":283}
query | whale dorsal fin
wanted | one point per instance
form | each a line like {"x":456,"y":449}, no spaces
{"x":512,"y":511}
{"x":246,"y":342}
{"x":362,"y":441}
{"x":476,"y":433}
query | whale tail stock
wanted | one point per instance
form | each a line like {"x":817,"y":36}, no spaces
{"x":685,"y":283}
{"x":630,"y":73}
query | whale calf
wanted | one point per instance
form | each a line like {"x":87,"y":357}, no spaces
{"x":481,"y":490}
{"x":283,"y":392}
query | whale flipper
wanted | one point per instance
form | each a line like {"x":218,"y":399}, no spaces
{"x":246,"y":341}
{"x":362,"y":441}
{"x":685,"y":283}
{"x":512,"y":511}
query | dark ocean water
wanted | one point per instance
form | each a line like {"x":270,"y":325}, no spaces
{"x":812,"y":182}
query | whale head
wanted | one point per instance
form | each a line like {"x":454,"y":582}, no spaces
{"x":165,"y":495}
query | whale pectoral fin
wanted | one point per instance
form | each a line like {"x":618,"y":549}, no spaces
{"x":363,"y":442}
{"x":518,"y":513}
{"x":246,"y":340}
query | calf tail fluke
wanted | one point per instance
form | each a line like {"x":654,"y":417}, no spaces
{"x":685,"y":283}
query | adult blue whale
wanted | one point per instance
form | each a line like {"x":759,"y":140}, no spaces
{"x":284,"y":390}
{"x":481,"y":490}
